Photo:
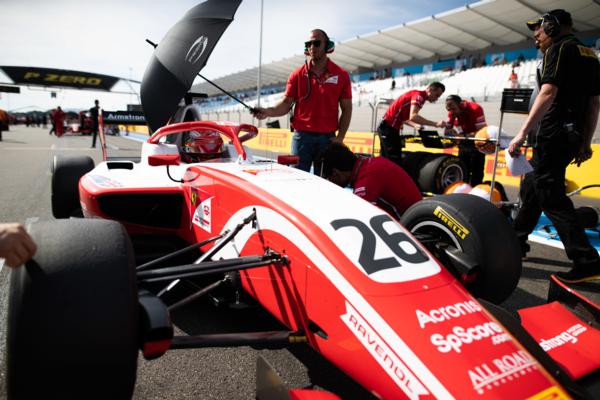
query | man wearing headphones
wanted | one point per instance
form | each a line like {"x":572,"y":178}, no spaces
{"x":405,"y":110}
{"x":567,"y":106}
{"x":465,"y":118}
{"x":317,"y":88}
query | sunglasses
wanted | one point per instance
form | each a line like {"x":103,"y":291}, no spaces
{"x":315,"y":43}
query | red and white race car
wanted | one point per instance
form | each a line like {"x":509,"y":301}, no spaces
{"x":404,"y":308}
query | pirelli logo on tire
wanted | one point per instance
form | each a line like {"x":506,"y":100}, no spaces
{"x":451,"y":222}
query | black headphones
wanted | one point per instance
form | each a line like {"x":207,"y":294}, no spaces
{"x":550,"y":24}
{"x":329,"y":49}
{"x":329,"y":43}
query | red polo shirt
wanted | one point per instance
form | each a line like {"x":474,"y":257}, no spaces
{"x":319,"y":111}
{"x":399,"y":110}
{"x":385,"y":184}
{"x":471,"y":118}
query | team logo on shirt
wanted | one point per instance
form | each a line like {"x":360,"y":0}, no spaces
{"x":586,"y":51}
{"x":332,"y":79}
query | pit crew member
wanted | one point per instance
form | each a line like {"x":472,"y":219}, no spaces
{"x":405,"y":110}
{"x":568,"y":106}
{"x":370,"y":179}
{"x":316,"y":88}
{"x":465,"y":118}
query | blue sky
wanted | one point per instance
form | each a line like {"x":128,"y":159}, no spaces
{"x":108,"y":36}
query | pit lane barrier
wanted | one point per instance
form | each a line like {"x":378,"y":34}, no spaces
{"x":279,"y":141}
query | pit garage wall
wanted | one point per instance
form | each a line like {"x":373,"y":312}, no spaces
{"x":279,"y":141}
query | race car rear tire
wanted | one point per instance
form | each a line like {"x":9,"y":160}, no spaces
{"x":478,"y":229}
{"x":411,"y":160}
{"x":73,"y":324}
{"x":66,"y":172}
{"x":438,"y":171}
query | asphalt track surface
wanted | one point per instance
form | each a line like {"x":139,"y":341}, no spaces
{"x":210,"y":373}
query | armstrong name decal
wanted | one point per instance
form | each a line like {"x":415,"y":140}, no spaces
{"x":380,"y":351}
{"x":568,"y":336}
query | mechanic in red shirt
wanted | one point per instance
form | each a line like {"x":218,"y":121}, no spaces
{"x":317,"y":88}
{"x":370,"y":178}
{"x":465,"y":118}
{"x":405,"y":109}
{"x":59,"y":118}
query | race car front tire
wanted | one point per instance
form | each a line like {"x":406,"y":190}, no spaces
{"x":66,"y":172}
{"x":73,"y":324}
{"x":477,"y":228}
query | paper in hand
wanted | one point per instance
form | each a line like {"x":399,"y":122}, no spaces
{"x":517,"y":165}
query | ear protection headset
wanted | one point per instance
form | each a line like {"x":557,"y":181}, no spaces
{"x":550,"y":24}
{"x":329,"y":49}
{"x":330,"y":45}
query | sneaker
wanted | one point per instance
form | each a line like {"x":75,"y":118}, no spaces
{"x":580,"y":274}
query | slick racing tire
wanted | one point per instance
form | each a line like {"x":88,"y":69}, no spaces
{"x":479,"y":230}
{"x":438,"y":171}
{"x":66,"y":172}
{"x":411,"y":160}
{"x":73,"y":324}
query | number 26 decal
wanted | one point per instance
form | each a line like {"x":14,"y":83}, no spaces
{"x":392,"y":240}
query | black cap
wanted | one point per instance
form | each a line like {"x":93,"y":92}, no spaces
{"x":563,"y":17}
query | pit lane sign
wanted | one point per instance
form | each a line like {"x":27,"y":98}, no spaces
{"x":59,"y":78}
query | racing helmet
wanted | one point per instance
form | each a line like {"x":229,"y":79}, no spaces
{"x":483,"y":190}
{"x":487,"y":133}
{"x":458,"y":187}
{"x":482,"y":140}
{"x":199,"y":146}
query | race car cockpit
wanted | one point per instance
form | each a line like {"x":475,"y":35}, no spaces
{"x":197,"y":146}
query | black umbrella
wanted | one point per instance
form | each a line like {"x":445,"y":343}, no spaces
{"x":180,"y":56}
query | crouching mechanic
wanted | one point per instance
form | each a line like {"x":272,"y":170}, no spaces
{"x":375,"y":179}
{"x":465,"y":118}
{"x":405,"y":110}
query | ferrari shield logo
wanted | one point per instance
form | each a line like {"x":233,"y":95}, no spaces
{"x":203,"y":214}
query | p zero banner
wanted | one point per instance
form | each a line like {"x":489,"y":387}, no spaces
{"x":123,"y":117}
{"x":59,"y":78}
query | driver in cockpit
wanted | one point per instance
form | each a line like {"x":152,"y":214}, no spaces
{"x":201,"y":146}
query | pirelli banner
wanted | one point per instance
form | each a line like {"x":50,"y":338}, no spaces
{"x":279,"y":141}
{"x":32,"y":76}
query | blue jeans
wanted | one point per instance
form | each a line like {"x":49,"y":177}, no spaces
{"x":308,"y":146}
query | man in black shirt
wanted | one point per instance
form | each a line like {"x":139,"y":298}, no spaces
{"x":567,"y":106}
{"x":94,"y":113}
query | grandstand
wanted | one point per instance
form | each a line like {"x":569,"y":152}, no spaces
{"x":472,"y":50}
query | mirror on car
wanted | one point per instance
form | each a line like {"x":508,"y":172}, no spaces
{"x":288,"y":159}
{"x":156,"y":160}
